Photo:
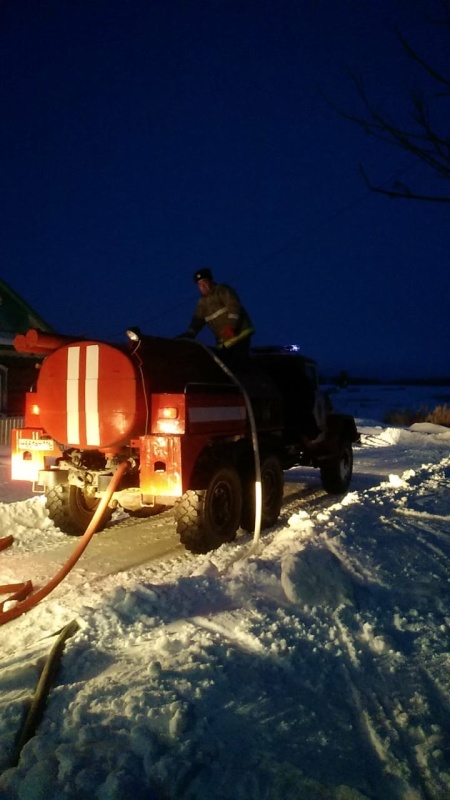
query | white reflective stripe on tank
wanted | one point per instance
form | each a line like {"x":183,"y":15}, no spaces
{"x":91,"y":395}
{"x":218,"y":414}
{"x":73,"y":381}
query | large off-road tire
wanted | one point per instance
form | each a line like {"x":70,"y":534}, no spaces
{"x":71,"y":510}
{"x":210,"y":517}
{"x":272,"y":488}
{"x":336,"y":473}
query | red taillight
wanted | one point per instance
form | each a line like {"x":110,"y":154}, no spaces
{"x":168,"y":414}
{"x":32,"y":410}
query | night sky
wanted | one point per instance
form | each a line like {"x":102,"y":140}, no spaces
{"x":144,"y":139}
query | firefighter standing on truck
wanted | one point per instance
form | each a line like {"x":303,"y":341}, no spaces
{"x":220,"y":308}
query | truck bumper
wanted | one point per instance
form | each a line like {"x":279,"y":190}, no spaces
{"x":31,"y":451}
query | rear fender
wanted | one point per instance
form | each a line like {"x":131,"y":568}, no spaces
{"x":210,"y":458}
{"x":341,"y":428}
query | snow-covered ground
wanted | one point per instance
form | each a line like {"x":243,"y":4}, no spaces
{"x":317,"y":669}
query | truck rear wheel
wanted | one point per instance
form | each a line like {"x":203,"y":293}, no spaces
{"x":336,"y":473}
{"x":72,"y":510}
{"x":210,"y":517}
{"x":272,"y":489}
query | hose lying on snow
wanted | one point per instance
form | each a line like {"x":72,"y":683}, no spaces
{"x":36,"y":709}
{"x":33,"y":600}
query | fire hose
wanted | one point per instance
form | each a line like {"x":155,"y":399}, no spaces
{"x":37,"y":706}
{"x":251,"y":416}
{"x":33,"y":599}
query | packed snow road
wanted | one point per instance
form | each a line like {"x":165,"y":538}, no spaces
{"x":126,"y":543}
{"x":40,"y":548}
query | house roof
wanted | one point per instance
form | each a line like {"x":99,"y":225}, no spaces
{"x":17,"y":316}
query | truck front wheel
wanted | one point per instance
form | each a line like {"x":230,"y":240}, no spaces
{"x":210,"y":517}
{"x":72,"y":510}
{"x":336,"y":473}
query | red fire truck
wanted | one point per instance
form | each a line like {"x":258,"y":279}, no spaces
{"x":188,"y":428}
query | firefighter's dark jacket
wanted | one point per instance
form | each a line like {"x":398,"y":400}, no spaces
{"x":224,"y":313}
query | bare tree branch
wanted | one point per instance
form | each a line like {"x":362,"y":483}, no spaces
{"x":422,"y":137}
{"x":403,"y":193}
{"x":424,"y":64}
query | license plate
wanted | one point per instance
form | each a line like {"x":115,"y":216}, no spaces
{"x":36,"y":444}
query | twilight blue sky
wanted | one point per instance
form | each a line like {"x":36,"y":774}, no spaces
{"x":143,"y":139}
